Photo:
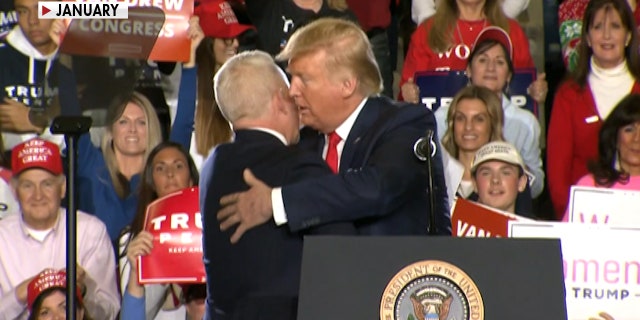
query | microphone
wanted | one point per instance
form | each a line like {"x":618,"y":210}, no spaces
{"x":425,"y":147}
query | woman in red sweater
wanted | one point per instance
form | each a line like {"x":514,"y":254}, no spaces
{"x":608,"y":69}
{"x":444,"y":41}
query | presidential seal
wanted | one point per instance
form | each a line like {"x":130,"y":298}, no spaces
{"x":431,"y":290}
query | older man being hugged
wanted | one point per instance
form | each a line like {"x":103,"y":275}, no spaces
{"x":366,"y":140}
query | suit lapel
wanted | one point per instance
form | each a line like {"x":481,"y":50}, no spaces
{"x":361,"y":127}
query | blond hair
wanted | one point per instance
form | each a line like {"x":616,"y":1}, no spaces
{"x":347,"y":49}
{"x":440,"y":37}
{"x":154,"y":136}
{"x":494,"y":109}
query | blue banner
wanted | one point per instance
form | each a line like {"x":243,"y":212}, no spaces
{"x":437,"y":88}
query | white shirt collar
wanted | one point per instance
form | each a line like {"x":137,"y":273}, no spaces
{"x":274,"y":133}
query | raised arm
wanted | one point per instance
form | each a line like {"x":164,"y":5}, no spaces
{"x":183,"y":123}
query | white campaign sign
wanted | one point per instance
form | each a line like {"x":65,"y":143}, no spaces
{"x":604,"y":206}
{"x":601,"y":267}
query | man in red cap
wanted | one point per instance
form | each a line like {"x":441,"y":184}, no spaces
{"x":36,"y":239}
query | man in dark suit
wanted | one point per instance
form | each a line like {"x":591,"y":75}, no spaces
{"x":380,"y":186}
{"x":257,"y":278}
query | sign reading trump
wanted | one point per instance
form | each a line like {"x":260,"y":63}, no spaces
{"x":601,"y":267}
{"x":437,"y":88}
{"x":176,"y":226}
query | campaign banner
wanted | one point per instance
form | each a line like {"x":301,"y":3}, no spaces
{"x":176,"y":226}
{"x":471,"y":219}
{"x":173,"y":43}
{"x":437,"y":88}
{"x":132,"y":38}
{"x":604,"y":206}
{"x":118,"y":38}
{"x":601,"y":267}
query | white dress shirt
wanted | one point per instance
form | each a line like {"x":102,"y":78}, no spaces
{"x":343,"y":130}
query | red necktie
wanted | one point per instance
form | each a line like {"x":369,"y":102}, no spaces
{"x":332,"y":151}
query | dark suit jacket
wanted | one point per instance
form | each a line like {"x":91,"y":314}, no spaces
{"x":260,"y":274}
{"x":381,"y":185}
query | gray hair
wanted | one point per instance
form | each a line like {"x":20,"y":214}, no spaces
{"x":245,"y":84}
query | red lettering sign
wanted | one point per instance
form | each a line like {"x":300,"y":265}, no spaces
{"x":173,"y":43}
{"x":176,"y":226}
{"x":159,"y":35}
{"x":470,"y":219}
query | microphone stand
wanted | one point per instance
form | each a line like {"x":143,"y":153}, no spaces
{"x":424,"y":151}
{"x":72,"y":126}
{"x":432,"y":198}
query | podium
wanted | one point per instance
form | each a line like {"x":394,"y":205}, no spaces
{"x":417,"y":278}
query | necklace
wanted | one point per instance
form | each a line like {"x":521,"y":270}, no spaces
{"x":484,"y":24}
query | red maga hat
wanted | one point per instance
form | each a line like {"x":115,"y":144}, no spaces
{"x":497,"y":34}
{"x":47,"y":279}
{"x":36,"y":153}
{"x":217,"y":20}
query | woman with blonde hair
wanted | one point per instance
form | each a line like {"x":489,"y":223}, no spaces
{"x":490,"y":66}
{"x":475,"y":118}
{"x":109,"y":176}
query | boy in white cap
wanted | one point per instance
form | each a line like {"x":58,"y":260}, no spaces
{"x":499,"y":174}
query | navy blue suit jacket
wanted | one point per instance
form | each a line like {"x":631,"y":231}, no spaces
{"x":260,"y":274}
{"x":381,"y":185}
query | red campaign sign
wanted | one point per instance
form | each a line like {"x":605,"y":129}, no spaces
{"x":470,"y":219}
{"x":173,"y":43}
{"x":135,"y":38}
{"x":176,"y":226}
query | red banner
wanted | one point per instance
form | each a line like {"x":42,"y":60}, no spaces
{"x":173,"y":43}
{"x":470,"y":219}
{"x":176,"y":226}
{"x":132,"y":37}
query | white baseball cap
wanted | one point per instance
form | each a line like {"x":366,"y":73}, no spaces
{"x":500,"y":151}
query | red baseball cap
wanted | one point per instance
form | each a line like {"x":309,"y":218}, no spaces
{"x":217,"y":20}
{"x":496,"y":34}
{"x":36,"y":153}
{"x":47,"y":279}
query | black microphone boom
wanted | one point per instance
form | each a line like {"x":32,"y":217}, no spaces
{"x":425,"y":149}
